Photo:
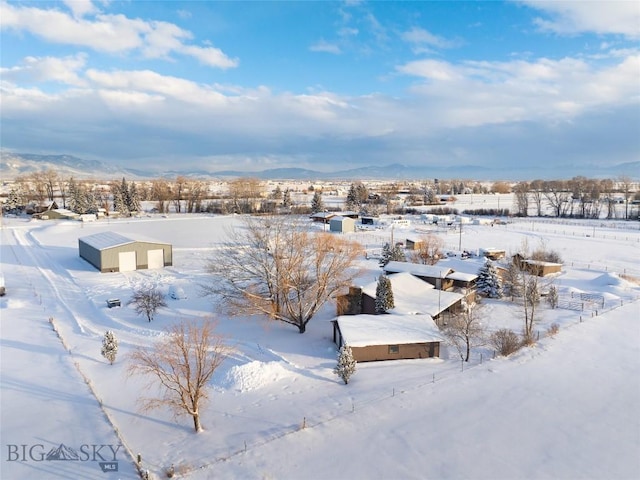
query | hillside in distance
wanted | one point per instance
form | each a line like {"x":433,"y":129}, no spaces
{"x":16,"y":164}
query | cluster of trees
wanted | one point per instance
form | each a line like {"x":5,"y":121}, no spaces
{"x":276,"y":267}
{"x":579,"y":197}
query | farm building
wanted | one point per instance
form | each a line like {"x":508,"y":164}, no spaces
{"x":112,"y":252}
{"x":492,"y":253}
{"x":388,"y":337}
{"x":57,"y":214}
{"x":342,"y":224}
{"x":536,"y":267}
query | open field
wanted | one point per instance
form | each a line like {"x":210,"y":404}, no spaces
{"x":564,"y":408}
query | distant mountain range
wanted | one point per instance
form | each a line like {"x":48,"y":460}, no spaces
{"x":15,"y":164}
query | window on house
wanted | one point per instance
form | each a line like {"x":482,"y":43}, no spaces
{"x":394,"y":349}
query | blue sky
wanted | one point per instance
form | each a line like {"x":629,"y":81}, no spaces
{"x":322,"y":85}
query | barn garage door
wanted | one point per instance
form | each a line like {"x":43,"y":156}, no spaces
{"x":127,"y":261}
{"x":155,"y":258}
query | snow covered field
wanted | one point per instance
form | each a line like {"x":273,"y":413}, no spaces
{"x":564,"y":408}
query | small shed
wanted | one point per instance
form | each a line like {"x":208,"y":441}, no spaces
{"x":388,"y":337}
{"x":414,"y":243}
{"x":342,"y":224}
{"x":492,"y":253}
{"x":112,"y":252}
{"x":322,"y":217}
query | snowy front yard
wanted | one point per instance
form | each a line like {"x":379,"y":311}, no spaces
{"x":564,"y":408}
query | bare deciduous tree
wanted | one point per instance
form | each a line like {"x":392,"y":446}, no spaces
{"x":183,"y":363}
{"x":147,"y":301}
{"x":428,"y":250}
{"x":465,"y":331}
{"x":521,"y":198}
{"x":278,"y":268}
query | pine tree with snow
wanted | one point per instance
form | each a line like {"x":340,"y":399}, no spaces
{"x":346,"y":364}
{"x":389,"y":254}
{"x":133,"y":198}
{"x":317,"y":205}
{"x":109,"y":346}
{"x":352,"y":198}
{"x":286,"y":198}
{"x":15,"y":200}
{"x":397,"y":254}
{"x":488,"y":283}
{"x":384,"y":295}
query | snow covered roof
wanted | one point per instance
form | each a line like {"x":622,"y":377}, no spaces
{"x":542,"y":263}
{"x":103,"y":240}
{"x":414,"y":296}
{"x":390,"y":329}
{"x":463,"y":277}
{"x":322,"y":215}
{"x":432,"y":271}
{"x":64,"y":211}
{"x":340,"y":219}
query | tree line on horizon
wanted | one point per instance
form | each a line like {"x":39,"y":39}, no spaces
{"x":579,"y":197}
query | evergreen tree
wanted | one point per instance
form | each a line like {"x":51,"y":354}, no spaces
{"x":317,"y":205}
{"x":286,"y":198}
{"x":384,"y":295}
{"x":14,"y":200}
{"x":346,"y":364}
{"x":90,"y":201}
{"x":119,"y":202}
{"x":352,"y":198}
{"x":109,"y":346}
{"x":133,"y":198}
{"x":389,"y":254}
{"x":277,"y":193}
{"x":121,"y":198}
{"x":488,"y":283}
{"x":512,"y":281}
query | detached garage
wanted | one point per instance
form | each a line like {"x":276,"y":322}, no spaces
{"x":112,"y":252}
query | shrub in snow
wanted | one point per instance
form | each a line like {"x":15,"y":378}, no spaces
{"x":505,"y":341}
{"x":553,"y":329}
{"x":488,"y":283}
{"x":346,"y":364}
{"x":109,"y":346}
{"x":384,"y":295}
{"x":552,"y":297}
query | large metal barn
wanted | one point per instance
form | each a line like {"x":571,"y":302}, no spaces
{"x":112,"y":252}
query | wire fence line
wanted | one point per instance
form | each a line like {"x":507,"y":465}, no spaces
{"x":414,"y":382}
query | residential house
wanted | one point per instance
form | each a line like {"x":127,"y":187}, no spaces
{"x":388,"y":337}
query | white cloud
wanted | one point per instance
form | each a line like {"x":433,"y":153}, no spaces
{"x":47,"y":69}
{"x":324,"y":46}
{"x":110,"y":33}
{"x":474,"y":93}
{"x":80,"y":8}
{"x":573,"y":17}
{"x":477,"y":107}
{"x":184,"y":14}
{"x":419,"y":37}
